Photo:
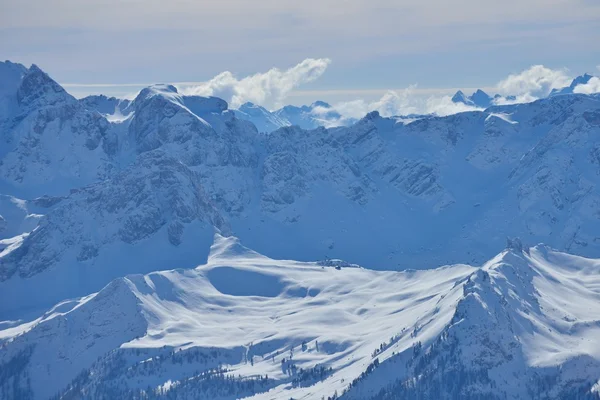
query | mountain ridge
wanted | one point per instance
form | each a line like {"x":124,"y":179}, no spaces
{"x":178,"y":320}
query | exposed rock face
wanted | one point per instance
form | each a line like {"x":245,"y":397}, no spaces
{"x":53,"y":142}
{"x":154,"y":193}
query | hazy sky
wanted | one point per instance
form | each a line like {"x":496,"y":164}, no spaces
{"x":370,"y":45}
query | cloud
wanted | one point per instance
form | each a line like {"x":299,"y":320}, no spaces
{"x":526,"y":86}
{"x":531,"y":84}
{"x":268,"y":89}
{"x":522,"y":98}
{"x":393,"y":102}
{"x":535,"y":82}
{"x":445,"y":106}
{"x":401,"y":102}
{"x":593,"y":86}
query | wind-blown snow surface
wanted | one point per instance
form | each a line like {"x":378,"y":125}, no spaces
{"x":524,"y":325}
{"x":112,"y":195}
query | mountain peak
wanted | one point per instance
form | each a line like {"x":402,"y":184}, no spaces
{"x":38,"y":89}
{"x":460,"y":97}
{"x":158,"y":94}
{"x":481,"y":99}
{"x":157,"y":89}
{"x":227,"y":247}
{"x":11,"y":75}
{"x":478,"y":99}
{"x":579,"y":80}
{"x":320,"y":103}
{"x":11,"y":70}
{"x":263,"y":119}
{"x":373,"y":115}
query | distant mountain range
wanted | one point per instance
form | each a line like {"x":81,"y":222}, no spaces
{"x":580,"y":80}
{"x":481,"y":99}
{"x":323,"y":114}
{"x":319,"y":113}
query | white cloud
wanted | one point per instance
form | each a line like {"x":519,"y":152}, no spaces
{"x":393,"y":102}
{"x":529,"y":85}
{"x":593,"y":86}
{"x":402,"y":102}
{"x":526,"y":86}
{"x":397,"y":102}
{"x":276,"y":87}
{"x":534,"y":82}
{"x":268,"y":89}
{"x":522,"y":98}
{"x":445,"y":106}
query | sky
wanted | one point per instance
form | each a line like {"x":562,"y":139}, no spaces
{"x":338,"y":51}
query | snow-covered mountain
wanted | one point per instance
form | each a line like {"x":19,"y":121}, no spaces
{"x":479,"y":99}
{"x":97,"y":194}
{"x":521,"y":326}
{"x":580,"y":80}
{"x":318,"y":114}
{"x":110,"y":107}
{"x":313,"y":116}
{"x":101,"y":198}
{"x":48,"y":141}
{"x":263,"y":119}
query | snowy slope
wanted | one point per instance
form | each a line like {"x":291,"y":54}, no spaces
{"x":524,"y":325}
{"x":479,"y":99}
{"x":263,"y":119}
{"x":312,"y":116}
{"x":111,"y":108}
{"x":49,"y":141}
{"x":318,"y":114}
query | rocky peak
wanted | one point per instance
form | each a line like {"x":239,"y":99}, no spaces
{"x":37,"y":89}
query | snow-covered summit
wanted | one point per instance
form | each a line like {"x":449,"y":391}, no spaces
{"x":479,"y":99}
{"x":312,"y":116}
{"x":11,"y":75}
{"x":47,"y":137}
{"x":580,"y":80}
{"x":263,"y":119}
{"x":460,"y":97}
